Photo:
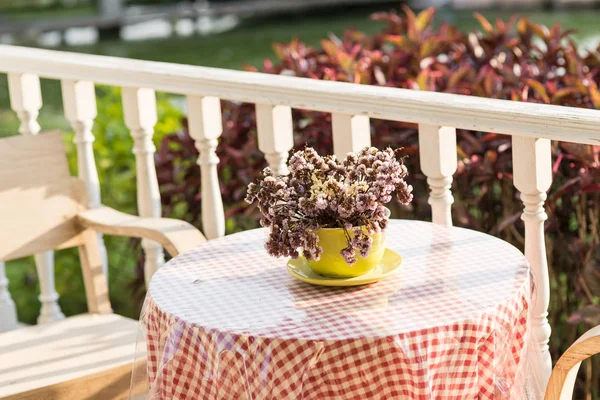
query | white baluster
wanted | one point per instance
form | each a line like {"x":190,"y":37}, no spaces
{"x":139,"y":108}
{"x":205,"y":125}
{"x":275,"y":135}
{"x":532,"y":170}
{"x":26,"y":101}
{"x":351,"y":133}
{"x":437,"y":153}
{"x":8,"y":311}
{"x":44,"y":263}
{"x":79,"y":101}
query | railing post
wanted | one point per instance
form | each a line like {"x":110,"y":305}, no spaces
{"x":139,"y":108}
{"x":532,"y":170}
{"x":79,"y":101}
{"x":26,"y":101}
{"x":351,"y":133}
{"x":205,"y":126}
{"x":275,"y":130}
{"x":437,"y":154}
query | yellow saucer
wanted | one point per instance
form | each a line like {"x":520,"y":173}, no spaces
{"x":300,"y":270}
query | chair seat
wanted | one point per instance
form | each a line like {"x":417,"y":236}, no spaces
{"x":44,"y":355}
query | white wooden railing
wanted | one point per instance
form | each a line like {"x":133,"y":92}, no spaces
{"x":532,"y":126}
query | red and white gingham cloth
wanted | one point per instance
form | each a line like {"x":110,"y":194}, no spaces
{"x":226,"y":321}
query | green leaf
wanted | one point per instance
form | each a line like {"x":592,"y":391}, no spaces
{"x":423,"y":79}
{"x":522,"y":26}
{"x":540,"y":30}
{"x":346,"y":62}
{"x":488,"y":84}
{"x":330,"y":48}
{"x":424,"y":18}
{"x":572,"y":64}
{"x":411,"y":25}
{"x":279,"y":50}
{"x":540,"y":89}
{"x":594,"y":94}
{"x":562,"y":93}
{"x":428,"y":47}
{"x":457,"y":76}
{"x":397,"y":40}
{"x":485,"y":24}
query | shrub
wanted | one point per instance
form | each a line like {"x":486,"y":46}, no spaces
{"x":517,"y":60}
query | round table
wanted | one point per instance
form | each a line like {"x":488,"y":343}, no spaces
{"x":226,"y":321}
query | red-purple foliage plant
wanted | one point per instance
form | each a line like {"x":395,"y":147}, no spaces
{"x":516,"y":60}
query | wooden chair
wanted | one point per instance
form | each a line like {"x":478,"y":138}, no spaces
{"x":43,"y":208}
{"x":564,"y":374}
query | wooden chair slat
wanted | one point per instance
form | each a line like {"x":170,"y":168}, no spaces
{"x":38,"y":196}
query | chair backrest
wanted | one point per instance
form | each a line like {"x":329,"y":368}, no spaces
{"x":38,"y":197}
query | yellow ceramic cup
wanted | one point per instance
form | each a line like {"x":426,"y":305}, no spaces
{"x":332,"y":264}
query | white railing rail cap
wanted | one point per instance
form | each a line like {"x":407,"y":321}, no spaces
{"x":467,"y":112}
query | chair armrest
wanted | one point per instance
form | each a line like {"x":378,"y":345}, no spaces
{"x":176,"y":236}
{"x":564,"y":374}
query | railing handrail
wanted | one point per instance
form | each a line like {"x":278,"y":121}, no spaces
{"x":570,"y":124}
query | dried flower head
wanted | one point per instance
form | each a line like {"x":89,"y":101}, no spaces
{"x":321,"y":192}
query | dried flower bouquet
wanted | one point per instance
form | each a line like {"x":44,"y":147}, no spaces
{"x":321,"y":192}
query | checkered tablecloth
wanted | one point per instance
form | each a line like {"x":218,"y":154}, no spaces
{"x":226,"y":321}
